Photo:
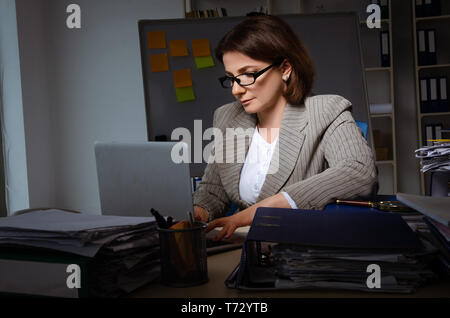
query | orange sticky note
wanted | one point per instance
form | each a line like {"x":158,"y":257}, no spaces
{"x":178,"y":48}
{"x":200,"y":47}
{"x":157,"y":39}
{"x":159,"y":62}
{"x":182,"y":78}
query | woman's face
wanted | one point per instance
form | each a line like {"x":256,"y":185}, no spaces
{"x":266,"y":92}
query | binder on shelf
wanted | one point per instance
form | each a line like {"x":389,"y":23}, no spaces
{"x":385,"y":56}
{"x":426,"y":50}
{"x":429,"y":130}
{"x":438,"y":131}
{"x":384,"y":6}
{"x":420,"y":9}
{"x":431,"y":47}
{"x":421,"y":49}
{"x":427,"y":8}
{"x":433,"y":104}
{"x":432,"y":8}
{"x":443,"y":98}
{"x":424,"y":96}
{"x":436,"y":7}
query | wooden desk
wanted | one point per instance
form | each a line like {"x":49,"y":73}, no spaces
{"x":221,"y":265}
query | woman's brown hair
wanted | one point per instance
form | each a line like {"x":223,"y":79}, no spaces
{"x":270,"y":39}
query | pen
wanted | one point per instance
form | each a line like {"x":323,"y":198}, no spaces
{"x":391,"y":206}
{"x":159,"y":219}
{"x":191,"y":218}
{"x":169,"y":221}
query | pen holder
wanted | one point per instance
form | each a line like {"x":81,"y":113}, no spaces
{"x":183,"y":255}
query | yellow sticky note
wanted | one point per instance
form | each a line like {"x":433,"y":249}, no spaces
{"x":200,"y":47}
{"x":185,"y":94}
{"x":157,"y":40}
{"x":178,"y":48}
{"x":204,"y":61}
{"x":159,"y":62}
{"x":182,"y":78}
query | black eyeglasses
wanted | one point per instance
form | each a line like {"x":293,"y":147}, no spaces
{"x":244,"y":79}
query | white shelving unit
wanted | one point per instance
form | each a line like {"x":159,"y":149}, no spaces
{"x":441,"y":24}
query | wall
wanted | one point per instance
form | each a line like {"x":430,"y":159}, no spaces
{"x":12,"y":115}
{"x":37,"y":114}
{"x":80,"y":86}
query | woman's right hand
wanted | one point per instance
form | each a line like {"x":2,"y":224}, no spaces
{"x":200,"y":214}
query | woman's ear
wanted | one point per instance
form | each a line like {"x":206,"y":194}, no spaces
{"x":286,"y":70}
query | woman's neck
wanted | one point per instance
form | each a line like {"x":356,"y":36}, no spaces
{"x":271,"y":118}
{"x":269,"y":121}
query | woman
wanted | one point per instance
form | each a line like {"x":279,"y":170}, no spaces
{"x":309,"y":150}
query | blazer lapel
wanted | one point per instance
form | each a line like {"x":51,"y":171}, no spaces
{"x":230,"y":173}
{"x":285,"y":156}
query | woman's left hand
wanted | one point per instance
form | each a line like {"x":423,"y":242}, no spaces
{"x":245,"y":217}
{"x":229,"y":224}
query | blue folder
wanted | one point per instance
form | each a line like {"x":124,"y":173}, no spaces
{"x":347,"y":229}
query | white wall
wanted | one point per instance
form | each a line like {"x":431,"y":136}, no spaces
{"x":37,"y":114}
{"x":12,"y":117}
{"x":80,"y":86}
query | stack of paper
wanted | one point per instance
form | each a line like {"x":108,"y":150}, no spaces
{"x":435,"y":158}
{"x":123,"y":252}
{"x":437,"y":212}
{"x":352,"y":250}
{"x":302,"y":267}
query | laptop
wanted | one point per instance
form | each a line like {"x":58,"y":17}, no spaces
{"x":135,"y":177}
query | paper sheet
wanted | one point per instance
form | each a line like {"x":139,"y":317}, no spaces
{"x":436,"y":208}
{"x":59,"y":221}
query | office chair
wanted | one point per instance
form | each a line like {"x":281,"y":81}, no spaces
{"x":363,"y":126}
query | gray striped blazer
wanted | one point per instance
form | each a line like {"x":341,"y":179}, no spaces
{"x":323,"y":156}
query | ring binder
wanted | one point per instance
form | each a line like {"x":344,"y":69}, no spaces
{"x":421,"y":49}
{"x":385,"y":55}
{"x":443,"y":99}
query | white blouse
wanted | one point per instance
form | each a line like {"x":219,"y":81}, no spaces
{"x":255,"y":169}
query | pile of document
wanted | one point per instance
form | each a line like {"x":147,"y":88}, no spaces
{"x":435,"y":157}
{"x":436,"y":223}
{"x":122,"y":252}
{"x":350,"y":250}
{"x":349,"y":269}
